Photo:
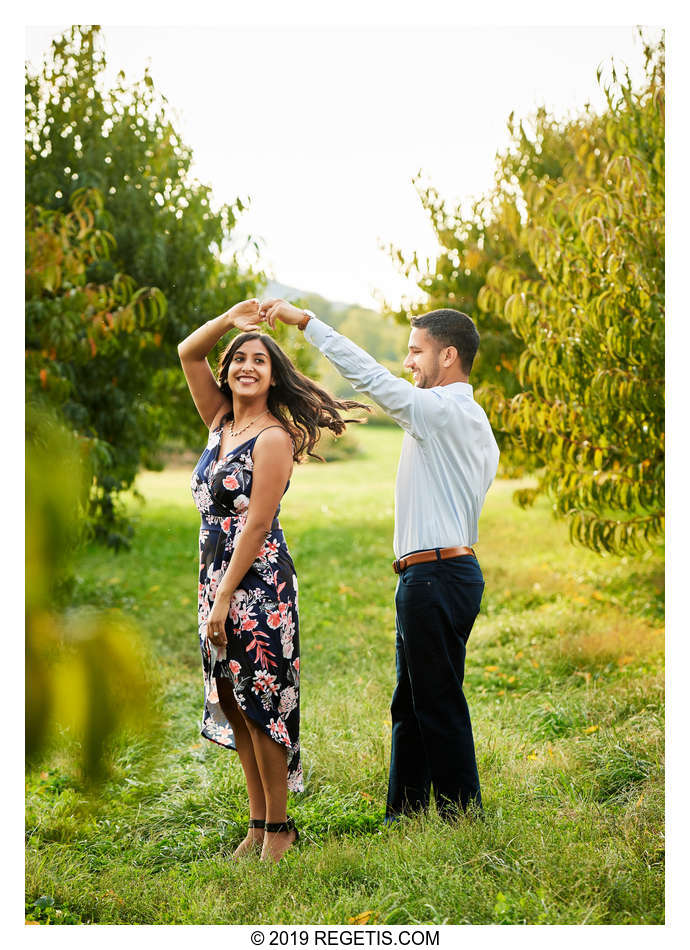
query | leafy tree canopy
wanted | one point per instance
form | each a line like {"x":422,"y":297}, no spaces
{"x":562,"y":268}
{"x":591,"y":411}
{"x":123,"y":260}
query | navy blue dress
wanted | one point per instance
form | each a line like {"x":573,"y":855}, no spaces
{"x":262,"y":654}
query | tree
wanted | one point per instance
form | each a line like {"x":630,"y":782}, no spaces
{"x":469,"y":242}
{"x":122,"y":142}
{"x":561,"y":267}
{"x":91,"y":347}
{"x":591,"y":410}
{"x":490,"y":233}
{"x":123,"y":259}
{"x":166,"y":233}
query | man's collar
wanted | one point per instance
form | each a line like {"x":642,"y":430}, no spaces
{"x":458,"y":387}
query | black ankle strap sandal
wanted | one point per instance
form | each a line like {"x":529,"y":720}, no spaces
{"x":257,"y":823}
{"x":276,"y":826}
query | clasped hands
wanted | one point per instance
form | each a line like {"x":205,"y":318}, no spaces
{"x":249,"y":314}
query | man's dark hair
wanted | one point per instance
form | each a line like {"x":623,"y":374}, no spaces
{"x":452,"y":328}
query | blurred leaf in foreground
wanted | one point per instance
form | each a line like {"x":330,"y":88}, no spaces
{"x":85,"y":670}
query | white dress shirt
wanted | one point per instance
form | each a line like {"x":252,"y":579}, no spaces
{"x":449,"y":454}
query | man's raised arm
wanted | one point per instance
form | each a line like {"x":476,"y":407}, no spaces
{"x":418,"y":411}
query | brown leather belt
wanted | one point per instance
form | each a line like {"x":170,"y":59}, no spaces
{"x":435,"y":554}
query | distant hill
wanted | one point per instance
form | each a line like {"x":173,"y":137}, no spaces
{"x":276,"y":289}
{"x":332,"y":312}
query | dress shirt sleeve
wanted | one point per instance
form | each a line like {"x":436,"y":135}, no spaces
{"x":418,"y":411}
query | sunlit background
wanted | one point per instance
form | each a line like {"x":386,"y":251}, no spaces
{"x":324,"y":129}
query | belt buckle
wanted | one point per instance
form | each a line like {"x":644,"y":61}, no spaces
{"x":396,"y":566}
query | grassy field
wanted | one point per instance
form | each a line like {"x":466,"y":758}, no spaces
{"x":565,"y":685}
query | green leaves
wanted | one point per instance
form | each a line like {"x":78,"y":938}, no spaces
{"x":86,"y":342}
{"x":567,"y":289}
{"x":598,"y":342}
{"x":84,"y":669}
{"x":121,"y":246}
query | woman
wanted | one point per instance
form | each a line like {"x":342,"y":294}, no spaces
{"x":262,"y":415}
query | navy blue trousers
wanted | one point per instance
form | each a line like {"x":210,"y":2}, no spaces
{"x":432,"y":745}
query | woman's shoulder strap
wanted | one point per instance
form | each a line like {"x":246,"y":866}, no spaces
{"x":266,"y":428}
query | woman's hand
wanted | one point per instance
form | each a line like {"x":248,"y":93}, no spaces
{"x":215,"y":625}
{"x":245,"y":315}
{"x":272,"y":310}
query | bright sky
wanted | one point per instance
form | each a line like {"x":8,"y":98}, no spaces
{"x":324,"y":128}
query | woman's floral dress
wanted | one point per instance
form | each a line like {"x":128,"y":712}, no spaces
{"x":262,"y":654}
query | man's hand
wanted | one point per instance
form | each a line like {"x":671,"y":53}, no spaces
{"x":245,"y":315}
{"x":272,"y":310}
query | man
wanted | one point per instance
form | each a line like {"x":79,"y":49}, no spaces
{"x":449,"y":458}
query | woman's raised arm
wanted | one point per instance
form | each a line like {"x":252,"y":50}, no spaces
{"x":194,"y":349}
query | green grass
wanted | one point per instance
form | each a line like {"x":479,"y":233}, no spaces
{"x":565,"y":685}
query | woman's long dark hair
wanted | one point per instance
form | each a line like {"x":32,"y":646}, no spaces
{"x":309,"y":407}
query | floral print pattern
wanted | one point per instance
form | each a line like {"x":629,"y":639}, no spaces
{"x":262,"y":654}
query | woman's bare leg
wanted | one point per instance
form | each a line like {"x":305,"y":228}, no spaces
{"x":271,"y":758}
{"x":245,"y":750}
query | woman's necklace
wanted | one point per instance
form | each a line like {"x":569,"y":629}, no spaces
{"x":232,"y":432}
